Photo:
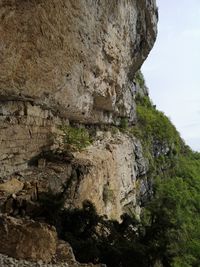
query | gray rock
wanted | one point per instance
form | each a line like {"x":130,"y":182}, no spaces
{"x":77,"y":67}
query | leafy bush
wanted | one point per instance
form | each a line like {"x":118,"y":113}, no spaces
{"x":154,"y":125}
{"x":161,"y":141}
{"x":139,"y":78}
{"x":123,"y":124}
{"x":75,"y":138}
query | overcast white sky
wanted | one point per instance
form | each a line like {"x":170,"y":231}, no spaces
{"x":172,"y":70}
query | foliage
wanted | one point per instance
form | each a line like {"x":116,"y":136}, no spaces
{"x":139,"y":78}
{"x":171,"y":217}
{"x":166,"y":218}
{"x":174,"y":208}
{"x":153,"y":125}
{"x":76,"y":138}
{"x":114,"y":130}
{"x":96,"y":239}
{"x":123,"y":124}
{"x":160,"y":140}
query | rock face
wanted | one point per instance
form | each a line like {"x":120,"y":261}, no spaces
{"x":76,"y":58}
{"x":11,"y":187}
{"x":25,"y":130}
{"x":67,"y":59}
{"x":66,"y":62}
{"x":110,"y":173}
{"x":117,"y":167}
{"x":27,"y":239}
{"x":34,"y":241}
{"x":71,"y":60}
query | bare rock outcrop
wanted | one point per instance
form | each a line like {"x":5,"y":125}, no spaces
{"x":112,"y":182}
{"x":66,"y":62}
{"x":36,"y":242}
{"x":26,"y":239}
{"x":72,"y":60}
{"x":25,"y":131}
{"x":76,"y":58}
{"x":110,"y":173}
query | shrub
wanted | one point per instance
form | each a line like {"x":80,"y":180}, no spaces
{"x":124,"y":124}
{"x":161,"y":141}
{"x":139,"y":78}
{"x":75,"y":138}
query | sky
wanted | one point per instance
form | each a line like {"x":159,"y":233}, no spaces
{"x":172,"y":70}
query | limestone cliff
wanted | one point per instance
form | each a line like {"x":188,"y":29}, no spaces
{"x":72,"y":62}
{"x":76,"y":58}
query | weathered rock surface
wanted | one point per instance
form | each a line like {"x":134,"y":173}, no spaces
{"x":64,"y":253}
{"x":117,"y":165}
{"x":75,"y":57}
{"x":12,"y":186}
{"x":61,"y":61}
{"x":37,"y":242}
{"x":6,"y":261}
{"x":25,"y":131}
{"x":25,"y":239}
{"x":66,"y":59}
{"x":111,"y":173}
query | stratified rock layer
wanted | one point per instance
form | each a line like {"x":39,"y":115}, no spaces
{"x":25,"y":131}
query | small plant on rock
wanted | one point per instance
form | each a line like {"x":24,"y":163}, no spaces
{"x":75,"y":138}
{"x":124,"y":124}
{"x":139,"y":78}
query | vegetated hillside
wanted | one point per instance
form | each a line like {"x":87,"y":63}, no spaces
{"x":173,"y":219}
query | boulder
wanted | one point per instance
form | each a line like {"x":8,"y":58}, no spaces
{"x":12,"y":186}
{"x":27,"y":239}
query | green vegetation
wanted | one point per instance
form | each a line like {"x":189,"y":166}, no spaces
{"x":123,"y":124}
{"x":139,"y":78}
{"x":114,"y":130}
{"x":168,"y":233}
{"x":161,"y":141}
{"x":171,"y":217}
{"x":153,"y":126}
{"x":76,"y":138}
